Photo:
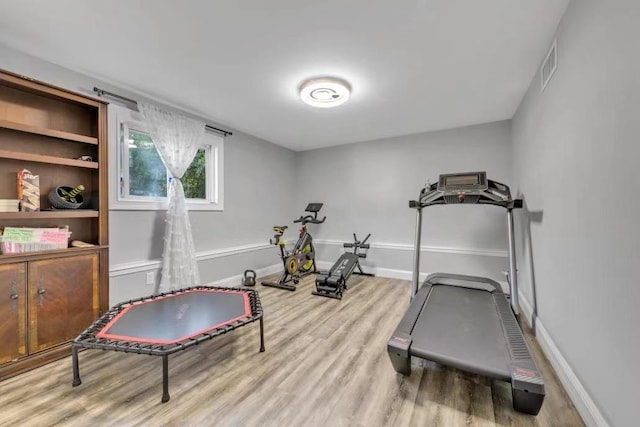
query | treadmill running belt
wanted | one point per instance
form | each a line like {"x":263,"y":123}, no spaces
{"x":460,"y":327}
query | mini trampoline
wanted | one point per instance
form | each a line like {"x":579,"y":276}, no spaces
{"x":164,"y":324}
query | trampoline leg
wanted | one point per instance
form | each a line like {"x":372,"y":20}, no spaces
{"x":165,"y":378}
{"x":261,"y":336}
{"x":76,"y":369}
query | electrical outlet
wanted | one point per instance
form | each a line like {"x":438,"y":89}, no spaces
{"x":151,"y":278}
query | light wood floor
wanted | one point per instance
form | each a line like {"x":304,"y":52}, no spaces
{"x":325,"y":364}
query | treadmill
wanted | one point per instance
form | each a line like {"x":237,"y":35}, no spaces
{"x":467,"y":322}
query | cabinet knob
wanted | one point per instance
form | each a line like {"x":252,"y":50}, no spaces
{"x":14,"y":295}
{"x":41,"y":292}
{"x":14,"y":302}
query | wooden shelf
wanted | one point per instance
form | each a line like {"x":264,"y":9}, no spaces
{"x":41,"y":88}
{"x":48,"y":132}
{"x":62,"y":213}
{"x":29,"y":157}
{"x":56,"y":253}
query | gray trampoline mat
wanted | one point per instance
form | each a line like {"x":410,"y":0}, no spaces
{"x":175,"y":317}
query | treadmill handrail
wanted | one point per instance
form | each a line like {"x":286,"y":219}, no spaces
{"x":488,"y":192}
{"x":509,"y":204}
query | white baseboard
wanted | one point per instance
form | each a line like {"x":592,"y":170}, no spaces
{"x":391,"y":273}
{"x":423,"y":248}
{"x":155,"y":264}
{"x":585,"y":405}
{"x":378,"y":271}
{"x":236,"y":280}
{"x":394,"y":273}
{"x":321,"y":266}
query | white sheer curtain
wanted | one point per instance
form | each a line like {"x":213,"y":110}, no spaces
{"x":177,"y":139}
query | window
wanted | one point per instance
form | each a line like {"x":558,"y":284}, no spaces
{"x":140,"y":180}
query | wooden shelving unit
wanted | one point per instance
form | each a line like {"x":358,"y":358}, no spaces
{"x":48,"y":132}
{"x":48,"y":297}
{"x":57,"y":214}
{"x":40,"y":158}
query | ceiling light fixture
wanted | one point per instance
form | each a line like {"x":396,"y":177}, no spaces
{"x":325,"y":92}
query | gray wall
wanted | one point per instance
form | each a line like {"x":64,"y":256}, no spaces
{"x":576,"y":158}
{"x":366,"y":188}
{"x":227,"y":242}
{"x":253,"y":168}
{"x":580,"y":132}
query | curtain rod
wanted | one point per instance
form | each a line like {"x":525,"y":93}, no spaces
{"x":102,"y":92}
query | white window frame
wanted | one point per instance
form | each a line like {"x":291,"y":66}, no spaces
{"x":121,"y":119}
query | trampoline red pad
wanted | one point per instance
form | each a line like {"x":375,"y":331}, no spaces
{"x":176,"y":317}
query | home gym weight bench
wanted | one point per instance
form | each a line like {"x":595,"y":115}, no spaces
{"x":333,"y":283}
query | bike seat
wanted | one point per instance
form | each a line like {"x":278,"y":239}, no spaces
{"x":279,"y":228}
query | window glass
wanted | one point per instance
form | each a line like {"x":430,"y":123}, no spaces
{"x":194,"y":180}
{"x":147,"y":174}
{"x":138,"y":177}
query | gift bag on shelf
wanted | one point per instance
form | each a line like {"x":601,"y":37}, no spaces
{"x":29,"y":190}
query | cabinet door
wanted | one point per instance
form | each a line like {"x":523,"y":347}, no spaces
{"x":13,"y":312}
{"x":63,"y":298}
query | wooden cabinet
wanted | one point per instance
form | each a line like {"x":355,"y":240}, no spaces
{"x":48,"y":297}
{"x":13,"y":313}
{"x":59,"y":309}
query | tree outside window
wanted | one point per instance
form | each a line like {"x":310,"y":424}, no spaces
{"x":148,"y":176}
{"x":140,"y":177}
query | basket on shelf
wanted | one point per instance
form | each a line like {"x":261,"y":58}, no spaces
{"x":65,"y":197}
{"x":17,"y":240}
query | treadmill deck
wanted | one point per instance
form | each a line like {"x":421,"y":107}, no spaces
{"x":461,"y":327}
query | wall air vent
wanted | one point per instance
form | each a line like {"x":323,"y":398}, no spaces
{"x":549,"y":64}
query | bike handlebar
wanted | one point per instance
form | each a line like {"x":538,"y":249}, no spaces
{"x":309,"y":218}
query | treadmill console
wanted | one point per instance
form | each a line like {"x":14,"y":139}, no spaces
{"x":313,"y":207}
{"x":456,"y":183}
{"x":466,"y":188}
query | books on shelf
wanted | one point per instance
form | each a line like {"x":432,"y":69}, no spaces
{"x":15,"y":240}
{"x":9,"y":205}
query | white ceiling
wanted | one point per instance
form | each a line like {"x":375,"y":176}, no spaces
{"x":414,"y":65}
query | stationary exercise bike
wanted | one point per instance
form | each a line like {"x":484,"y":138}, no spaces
{"x":299,"y":261}
{"x":334,"y":282}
